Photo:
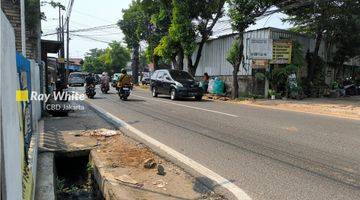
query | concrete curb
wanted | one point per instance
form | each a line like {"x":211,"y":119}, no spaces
{"x":224,"y":186}
{"x":45,"y":184}
{"x":105,"y":186}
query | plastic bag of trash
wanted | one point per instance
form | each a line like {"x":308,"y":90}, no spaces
{"x":218,"y":87}
{"x":211,"y":86}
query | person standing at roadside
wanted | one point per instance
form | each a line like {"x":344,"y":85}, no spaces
{"x":205,"y":82}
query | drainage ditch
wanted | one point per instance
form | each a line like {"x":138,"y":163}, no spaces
{"x":74,"y":178}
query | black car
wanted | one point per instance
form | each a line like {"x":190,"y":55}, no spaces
{"x":175,"y":83}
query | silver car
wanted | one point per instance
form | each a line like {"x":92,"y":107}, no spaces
{"x":76,"y":79}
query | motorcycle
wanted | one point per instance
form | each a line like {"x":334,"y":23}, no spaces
{"x":124,"y":92}
{"x":90,"y":91}
{"x":105,"y":88}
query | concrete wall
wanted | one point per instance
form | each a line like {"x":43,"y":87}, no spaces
{"x":11,"y":136}
{"x":213,"y":60}
{"x":36,"y":116}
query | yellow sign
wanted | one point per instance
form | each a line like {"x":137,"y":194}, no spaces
{"x":282,"y":51}
{"x":22,"y":95}
{"x":61,"y":60}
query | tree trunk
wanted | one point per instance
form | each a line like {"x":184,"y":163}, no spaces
{"x":313,"y":62}
{"x":235,"y":83}
{"x":199,"y":52}
{"x":191,"y":68}
{"x":180,"y":59}
{"x":156,"y":62}
{"x":174,"y":63}
{"x":236,"y":66}
{"x":135,"y":65}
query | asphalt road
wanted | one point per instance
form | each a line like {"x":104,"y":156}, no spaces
{"x":270,"y":154}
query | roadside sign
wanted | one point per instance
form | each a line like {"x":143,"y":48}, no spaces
{"x":61,"y":60}
{"x":282,"y":51}
{"x":260,"y":64}
{"x":260,"y":49}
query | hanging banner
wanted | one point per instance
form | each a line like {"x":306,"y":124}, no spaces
{"x":282,"y":51}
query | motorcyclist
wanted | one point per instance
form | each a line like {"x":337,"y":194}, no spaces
{"x":89,"y":80}
{"x":105,"y":79}
{"x":124,"y":79}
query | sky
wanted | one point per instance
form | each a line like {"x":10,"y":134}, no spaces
{"x":93,"y":13}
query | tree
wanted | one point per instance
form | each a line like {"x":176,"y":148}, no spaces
{"x":119,"y":56}
{"x":92,"y":62}
{"x":157,"y":19}
{"x":243,"y":13}
{"x":335,"y":22}
{"x":111,"y":60}
{"x":206,"y":15}
{"x":345,"y":33}
{"x":192,"y":20}
{"x":132,"y":25}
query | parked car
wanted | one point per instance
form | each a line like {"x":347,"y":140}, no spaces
{"x":76,"y":79}
{"x":175,"y":83}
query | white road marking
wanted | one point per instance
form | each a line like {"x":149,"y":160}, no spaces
{"x":186,"y":106}
{"x":223,"y":182}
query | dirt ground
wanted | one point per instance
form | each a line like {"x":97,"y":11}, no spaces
{"x":347,"y":107}
{"x":120,"y":161}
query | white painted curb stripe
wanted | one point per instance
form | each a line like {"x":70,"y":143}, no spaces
{"x":223,"y":182}
{"x":186,"y":106}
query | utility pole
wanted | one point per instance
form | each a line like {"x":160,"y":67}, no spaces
{"x":67,"y":48}
{"x":67,"y":21}
{"x":23,"y":26}
{"x":62,"y":51}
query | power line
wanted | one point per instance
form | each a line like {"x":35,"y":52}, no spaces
{"x":110,"y":26}
{"x":90,"y":38}
{"x":92,"y":16}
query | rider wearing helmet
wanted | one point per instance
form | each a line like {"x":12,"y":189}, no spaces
{"x":90,"y":80}
{"x":124,"y":79}
{"x":104,"y":79}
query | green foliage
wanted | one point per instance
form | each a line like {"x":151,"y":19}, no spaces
{"x":55,"y":4}
{"x":279,"y":75}
{"x":132,"y":25}
{"x":297,"y":55}
{"x":181,"y":29}
{"x":111,"y":60}
{"x":60,"y":184}
{"x":166,"y":48}
{"x":260,"y":76}
{"x":337,"y":22}
{"x":158,"y":19}
{"x":335,"y":85}
{"x":234,"y":52}
{"x":243,"y":13}
{"x":272,"y":93}
{"x":33,"y":14}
